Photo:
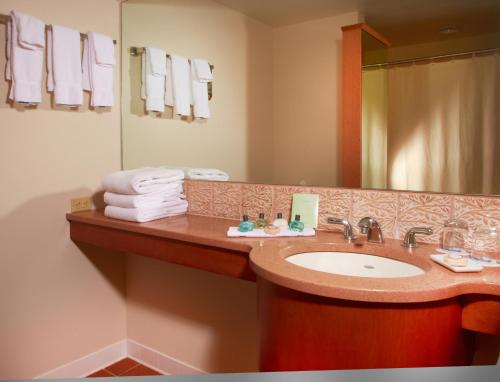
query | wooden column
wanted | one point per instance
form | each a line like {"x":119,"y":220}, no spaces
{"x":351,"y":106}
{"x":351,"y":100}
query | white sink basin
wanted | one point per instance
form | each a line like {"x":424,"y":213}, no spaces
{"x":354,"y":264}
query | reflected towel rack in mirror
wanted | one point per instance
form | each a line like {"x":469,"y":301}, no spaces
{"x":5,"y":18}
{"x":136,"y":51}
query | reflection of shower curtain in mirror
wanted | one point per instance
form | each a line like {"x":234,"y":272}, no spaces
{"x":442,"y":126}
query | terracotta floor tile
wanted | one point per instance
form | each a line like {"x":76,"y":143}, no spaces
{"x":122,"y":366}
{"x":140,"y":370}
{"x":101,"y":373}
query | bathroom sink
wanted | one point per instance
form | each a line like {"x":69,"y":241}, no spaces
{"x":354,"y":264}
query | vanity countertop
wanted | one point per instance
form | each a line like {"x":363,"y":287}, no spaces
{"x":266,"y":258}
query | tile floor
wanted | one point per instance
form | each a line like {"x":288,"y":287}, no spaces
{"x":124,"y":368}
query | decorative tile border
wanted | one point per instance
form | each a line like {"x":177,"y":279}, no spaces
{"x":397,"y":211}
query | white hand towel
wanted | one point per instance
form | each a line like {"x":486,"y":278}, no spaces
{"x":181,"y":79}
{"x":153,"y":199}
{"x":31,"y":31}
{"x":26,"y":60}
{"x":145,"y":214}
{"x":199,"y":96}
{"x":104,"y":50}
{"x":86,"y":66}
{"x":8,"y":27}
{"x":153,"y":72}
{"x":202,"y":69}
{"x":141,"y":181}
{"x":143,"y":75}
{"x":98,"y":77}
{"x":207,"y":174}
{"x":64,"y":68}
{"x":169,"y":85}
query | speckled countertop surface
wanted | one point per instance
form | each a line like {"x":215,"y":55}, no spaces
{"x":267,"y":259}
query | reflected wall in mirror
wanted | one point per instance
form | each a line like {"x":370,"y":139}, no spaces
{"x":430,"y":116}
{"x":274,"y":112}
{"x":276,"y":106}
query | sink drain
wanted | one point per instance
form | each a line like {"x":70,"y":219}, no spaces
{"x":369,"y":266}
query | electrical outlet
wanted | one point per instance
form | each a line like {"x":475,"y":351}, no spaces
{"x":81,"y":204}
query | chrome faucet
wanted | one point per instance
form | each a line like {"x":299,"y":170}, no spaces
{"x":409,"y":240}
{"x":348,"y":232}
{"x":372,"y":229}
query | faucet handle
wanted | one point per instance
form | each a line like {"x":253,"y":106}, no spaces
{"x":409,"y":240}
{"x":372,"y":229}
{"x":348,"y":232}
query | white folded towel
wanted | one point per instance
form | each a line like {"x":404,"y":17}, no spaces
{"x":25,"y":57}
{"x":169,"y":85}
{"x":153,"y":72}
{"x":8,"y":43}
{"x":202,"y":69}
{"x":181,"y":79}
{"x":145,"y":214}
{"x":104,"y":50}
{"x":146,"y":201}
{"x":98,"y":75}
{"x":31,"y":31}
{"x":207,"y":174}
{"x":154,"y":199}
{"x":199,"y":96}
{"x":141,"y":181}
{"x":64,"y":67}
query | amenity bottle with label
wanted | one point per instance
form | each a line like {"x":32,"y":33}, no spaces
{"x":261,"y":222}
{"x":280,"y":222}
{"x":245,"y":225}
{"x":296,"y":225}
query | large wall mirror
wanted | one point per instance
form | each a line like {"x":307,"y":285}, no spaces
{"x":276,"y":105}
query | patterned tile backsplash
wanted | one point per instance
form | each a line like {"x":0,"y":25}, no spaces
{"x":396,"y":211}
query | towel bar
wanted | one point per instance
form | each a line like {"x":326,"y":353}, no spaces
{"x":5,"y":18}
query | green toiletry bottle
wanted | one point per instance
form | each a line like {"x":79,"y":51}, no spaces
{"x":296,"y":225}
{"x":245,"y":225}
{"x":261,"y":222}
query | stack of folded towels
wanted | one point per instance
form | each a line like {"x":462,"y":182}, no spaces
{"x":144,"y":194}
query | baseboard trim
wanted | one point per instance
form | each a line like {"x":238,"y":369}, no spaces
{"x":101,"y":358}
{"x":159,"y":361}
{"x":90,"y":363}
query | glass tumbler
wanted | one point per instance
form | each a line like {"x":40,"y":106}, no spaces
{"x":455,"y":233}
{"x":485,"y":244}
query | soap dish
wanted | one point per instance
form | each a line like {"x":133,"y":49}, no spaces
{"x":469,"y":268}
{"x":233,"y":232}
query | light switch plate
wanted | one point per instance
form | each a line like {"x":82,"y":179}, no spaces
{"x":81,"y":204}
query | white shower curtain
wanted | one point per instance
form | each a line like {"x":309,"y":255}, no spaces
{"x":443,"y":126}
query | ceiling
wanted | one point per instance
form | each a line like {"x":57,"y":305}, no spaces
{"x":404,"y":22}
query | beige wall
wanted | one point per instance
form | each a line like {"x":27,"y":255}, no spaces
{"x":241,"y":50}
{"x":307,"y":74}
{"x":58,"y":302}
{"x":205,"y":320}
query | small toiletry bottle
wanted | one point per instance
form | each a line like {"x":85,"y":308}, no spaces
{"x":280,"y":222}
{"x":245,"y":225}
{"x":261,"y":222}
{"x":296,"y":225}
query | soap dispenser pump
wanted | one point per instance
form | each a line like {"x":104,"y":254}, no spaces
{"x":296,"y":225}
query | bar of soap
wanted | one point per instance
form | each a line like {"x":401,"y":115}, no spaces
{"x":307,"y":206}
{"x":456,"y":261}
{"x":272,"y":230}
